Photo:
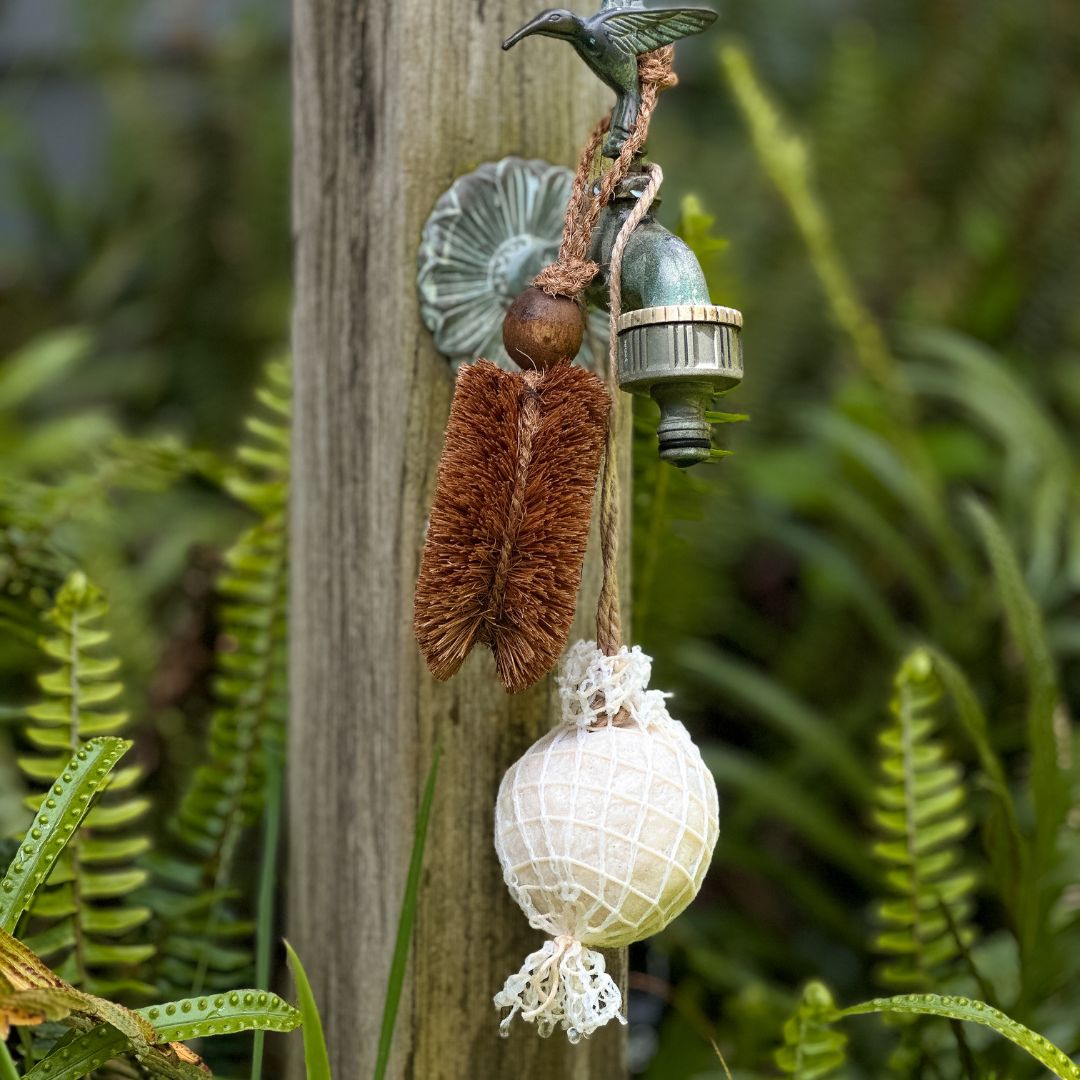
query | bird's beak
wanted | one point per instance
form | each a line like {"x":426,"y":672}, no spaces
{"x":524,"y":32}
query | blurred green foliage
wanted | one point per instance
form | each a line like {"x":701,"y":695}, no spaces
{"x":890,"y":192}
{"x":900,"y":188}
{"x":139,"y":300}
{"x":175,"y":249}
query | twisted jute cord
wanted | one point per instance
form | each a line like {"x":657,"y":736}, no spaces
{"x":608,"y":617}
{"x":528,"y":424}
{"x":573,"y":270}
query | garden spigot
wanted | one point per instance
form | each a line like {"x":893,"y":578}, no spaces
{"x":681,"y":356}
{"x":674,"y":344}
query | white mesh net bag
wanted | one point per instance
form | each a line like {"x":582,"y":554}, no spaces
{"x":604,"y":831}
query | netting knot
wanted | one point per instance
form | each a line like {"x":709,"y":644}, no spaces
{"x":595,"y":688}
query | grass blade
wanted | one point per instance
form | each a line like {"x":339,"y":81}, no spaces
{"x":1049,"y":788}
{"x":1005,"y":843}
{"x":7,"y":1066}
{"x":405,"y":923}
{"x":316,"y":1059}
{"x":1048,"y":781}
{"x":268,"y":872}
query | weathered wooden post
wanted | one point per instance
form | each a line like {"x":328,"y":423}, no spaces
{"x":392,"y":102}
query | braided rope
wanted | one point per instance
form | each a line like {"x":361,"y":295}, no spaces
{"x":573,"y":270}
{"x":528,"y":425}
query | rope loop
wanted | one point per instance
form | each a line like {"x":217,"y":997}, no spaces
{"x":608,"y":616}
{"x":572,"y":271}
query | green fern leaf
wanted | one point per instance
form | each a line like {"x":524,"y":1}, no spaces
{"x":62,"y":811}
{"x":813,"y":1049}
{"x":786,"y":158}
{"x":21,"y":969}
{"x":30,"y":572}
{"x":921,"y":820}
{"x":87,"y":889}
{"x":207,"y":945}
{"x":82,"y":1052}
{"x":974,"y":1012}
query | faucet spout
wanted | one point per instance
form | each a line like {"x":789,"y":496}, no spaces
{"x":658,"y":268}
{"x":674,"y":345}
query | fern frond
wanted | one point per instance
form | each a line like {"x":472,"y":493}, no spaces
{"x":84,"y":1051}
{"x":856,"y":101}
{"x":208,"y":943}
{"x":786,"y":159}
{"x":83,"y":494}
{"x":921,"y":822}
{"x":83,"y":919}
{"x":974,"y":1012}
{"x":30,"y":573}
{"x":813,"y":1049}
{"x":30,"y":993}
{"x":260,"y":475}
{"x":37,"y":552}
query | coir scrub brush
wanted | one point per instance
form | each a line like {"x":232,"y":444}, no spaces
{"x":506,"y":539}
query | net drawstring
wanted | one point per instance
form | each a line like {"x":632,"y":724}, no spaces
{"x":562,"y":985}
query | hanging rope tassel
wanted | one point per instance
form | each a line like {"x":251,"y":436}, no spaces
{"x":562,"y":985}
{"x":565,"y":984}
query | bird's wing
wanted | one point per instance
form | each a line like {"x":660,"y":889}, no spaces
{"x":642,"y":31}
{"x":621,"y":5}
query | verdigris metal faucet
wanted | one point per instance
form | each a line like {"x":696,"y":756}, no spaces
{"x":674,"y":344}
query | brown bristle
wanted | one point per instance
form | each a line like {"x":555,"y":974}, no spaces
{"x":506,"y":538}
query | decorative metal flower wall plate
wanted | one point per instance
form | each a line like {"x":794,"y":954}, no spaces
{"x":485,"y":240}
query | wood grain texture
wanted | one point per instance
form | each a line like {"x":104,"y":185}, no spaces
{"x":392,"y":102}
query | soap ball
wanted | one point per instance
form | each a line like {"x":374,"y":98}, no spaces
{"x":604,"y":829}
{"x":605,"y":834}
{"x":540,"y":330}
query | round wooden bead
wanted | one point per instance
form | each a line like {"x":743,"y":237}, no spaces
{"x":540,"y":330}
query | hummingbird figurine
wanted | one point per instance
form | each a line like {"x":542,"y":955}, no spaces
{"x":611,"y":41}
